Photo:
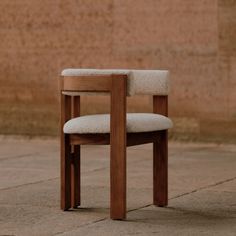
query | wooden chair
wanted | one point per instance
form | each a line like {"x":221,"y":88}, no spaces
{"x":117,"y":130}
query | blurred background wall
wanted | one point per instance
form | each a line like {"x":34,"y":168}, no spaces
{"x":195,"y":40}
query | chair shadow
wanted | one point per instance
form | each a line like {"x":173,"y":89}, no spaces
{"x":177,"y":215}
{"x":168,"y":215}
{"x":90,"y":210}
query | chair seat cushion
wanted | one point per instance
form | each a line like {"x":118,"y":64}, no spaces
{"x":136,"y":122}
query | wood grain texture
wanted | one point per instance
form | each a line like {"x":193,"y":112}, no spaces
{"x":65,"y":155}
{"x":118,"y":148}
{"x":160,"y":105}
{"x":160,"y":156}
{"x":90,"y":139}
{"x":75,"y":162}
{"x":89,"y":83}
{"x":132,"y":139}
{"x":160,"y":170}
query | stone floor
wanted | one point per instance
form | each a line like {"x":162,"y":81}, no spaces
{"x":202,"y":191}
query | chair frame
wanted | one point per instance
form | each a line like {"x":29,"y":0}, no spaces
{"x":116,"y":85}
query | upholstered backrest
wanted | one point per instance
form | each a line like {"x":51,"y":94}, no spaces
{"x":140,"y":82}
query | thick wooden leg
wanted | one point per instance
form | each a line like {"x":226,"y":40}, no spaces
{"x":75,"y":177}
{"x":75,"y":164}
{"x":160,"y":170}
{"x":65,"y":155}
{"x":118,"y":183}
{"x":118,"y":150}
{"x":65,"y":173}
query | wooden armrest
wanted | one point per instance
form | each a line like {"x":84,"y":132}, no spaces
{"x":95,"y":83}
{"x":115,"y":84}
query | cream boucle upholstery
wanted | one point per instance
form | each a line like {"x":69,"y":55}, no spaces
{"x":136,"y":122}
{"x":140,"y":82}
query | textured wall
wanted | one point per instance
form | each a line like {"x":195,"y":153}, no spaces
{"x":194,"y":39}
{"x":227,"y":66}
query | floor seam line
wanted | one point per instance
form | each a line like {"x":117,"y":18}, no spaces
{"x":187,"y":193}
{"x":203,"y":188}
{"x":100,"y":220}
{"x":81,"y":226}
{"x":37,"y":182}
{"x":135,"y":209}
{"x":18,"y":156}
{"x":25,"y":155}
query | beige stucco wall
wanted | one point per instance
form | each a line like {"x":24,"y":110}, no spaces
{"x":195,"y":40}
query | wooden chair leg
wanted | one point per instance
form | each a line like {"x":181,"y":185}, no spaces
{"x":160,"y":170}
{"x":75,"y":177}
{"x":118,"y":149}
{"x":65,"y":155}
{"x":65,"y":173}
{"x":75,"y":165}
{"x":118,"y":183}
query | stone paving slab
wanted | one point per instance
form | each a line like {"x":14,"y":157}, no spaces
{"x":30,"y":220}
{"x":228,"y":186}
{"x":46,"y":194}
{"x":202,"y":182}
{"x":202,"y":213}
{"x":18,"y":147}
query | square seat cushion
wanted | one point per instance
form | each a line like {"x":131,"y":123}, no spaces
{"x":100,"y":123}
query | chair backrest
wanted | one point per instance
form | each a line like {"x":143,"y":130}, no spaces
{"x":139,"y":82}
